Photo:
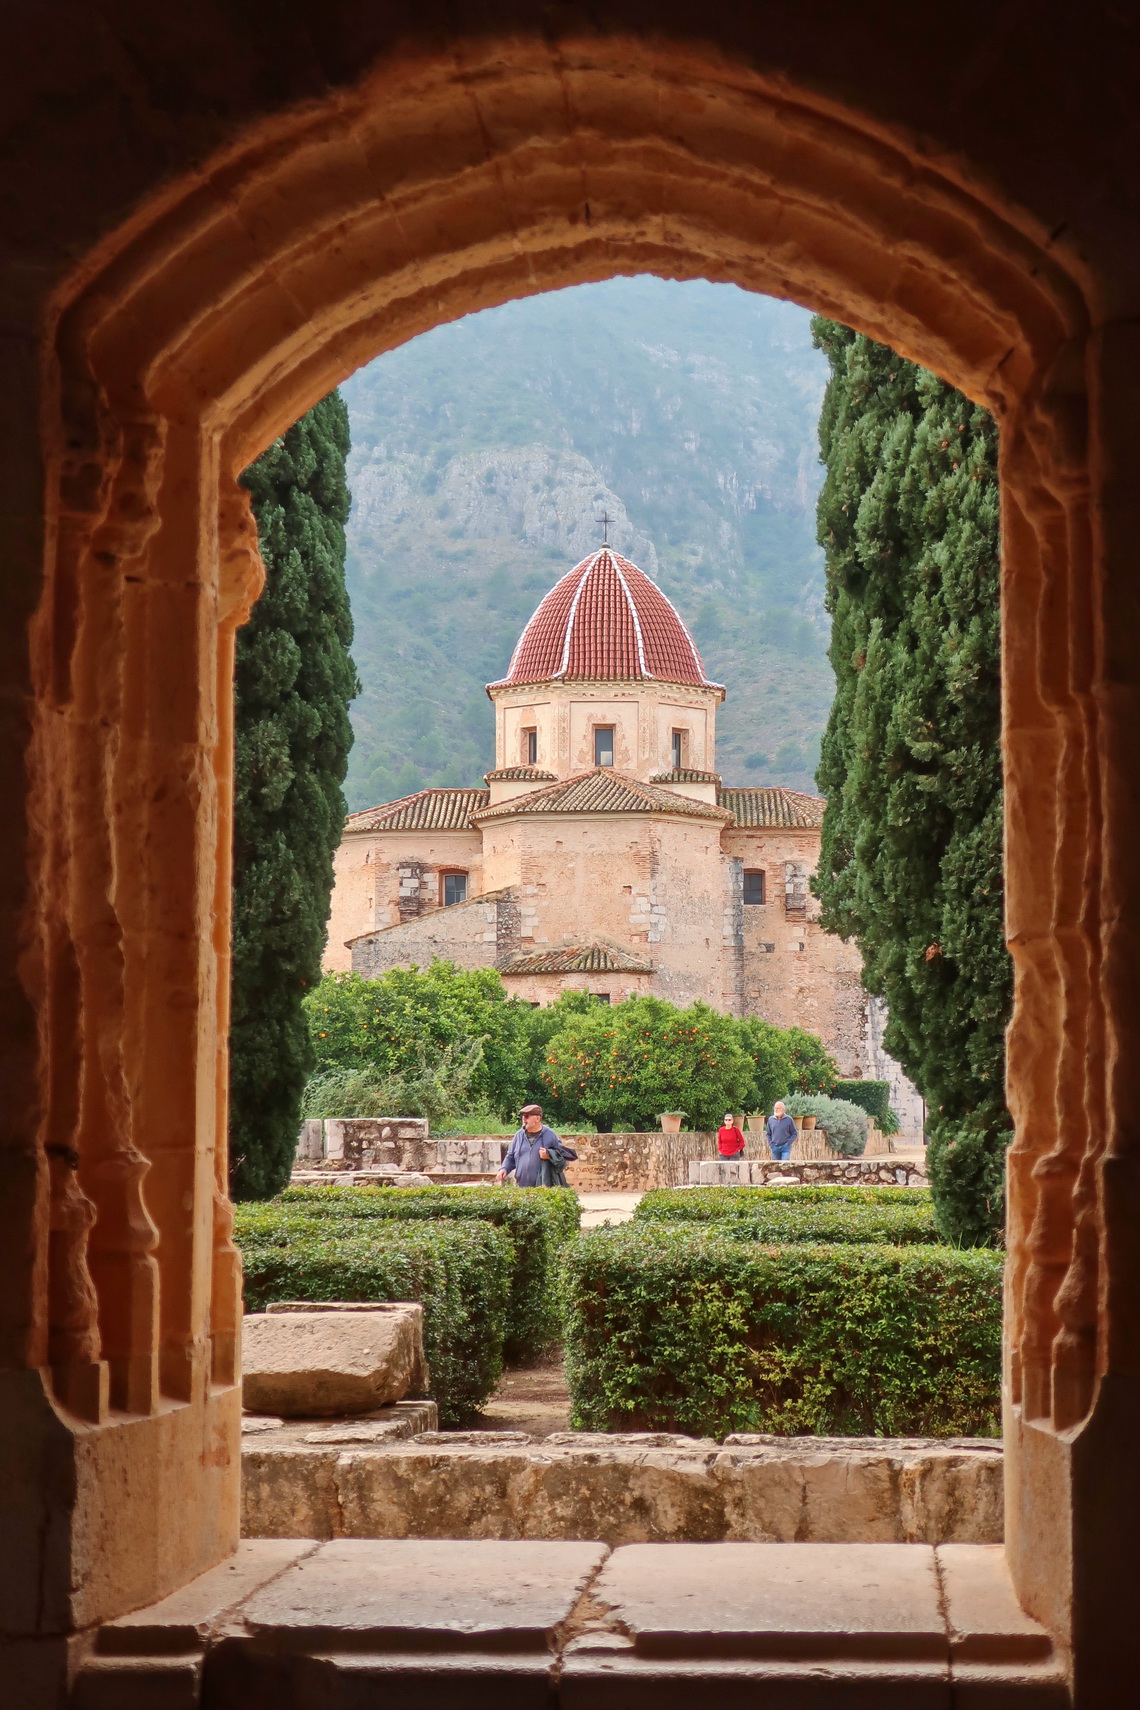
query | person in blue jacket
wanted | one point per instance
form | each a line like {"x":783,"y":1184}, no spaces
{"x":531,"y":1149}
{"x":781,"y":1132}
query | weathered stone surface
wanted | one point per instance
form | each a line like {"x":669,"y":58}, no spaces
{"x":642,"y":1487}
{"x":302,"y":1360}
{"x":888,"y":1170}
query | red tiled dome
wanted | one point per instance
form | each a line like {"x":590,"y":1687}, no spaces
{"x":605,"y":619}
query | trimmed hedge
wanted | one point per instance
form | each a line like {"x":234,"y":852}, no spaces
{"x":842,"y":1225}
{"x":538,"y":1224}
{"x":685,"y":1329}
{"x":460,"y":1272}
{"x":872,"y":1096}
{"x":716,"y":1204}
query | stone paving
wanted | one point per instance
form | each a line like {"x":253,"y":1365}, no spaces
{"x":576,"y":1626}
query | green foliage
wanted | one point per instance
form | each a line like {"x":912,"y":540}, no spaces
{"x":850,"y":1225}
{"x":872,"y":1096}
{"x":294,"y":682}
{"x":460,"y":1272}
{"x":541,"y":1025}
{"x":623,"y":1066}
{"x":538,"y":1224}
{"x":911,"y":864}
{"x":686,"y":1329}
{"x":846,"y":1123}
{"x":718,"y":1204}
{"x":436,"y":1084}
{"x":769,"y":1050}
{"x":409,"y":1016}
{"x":814,"y":1069}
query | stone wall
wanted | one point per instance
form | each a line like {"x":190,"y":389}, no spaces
{"x":331,"y":1482}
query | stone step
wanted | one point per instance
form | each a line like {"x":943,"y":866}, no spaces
{"x":472,"y":1624}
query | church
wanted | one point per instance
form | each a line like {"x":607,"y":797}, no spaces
{"x":604,"y":853}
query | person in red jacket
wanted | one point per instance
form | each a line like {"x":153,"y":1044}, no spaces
{"x":729,"y":1139}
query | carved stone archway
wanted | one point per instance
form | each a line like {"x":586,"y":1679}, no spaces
{"x":429,"y":182}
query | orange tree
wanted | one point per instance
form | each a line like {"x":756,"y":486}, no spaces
{"x":620,"y":1067}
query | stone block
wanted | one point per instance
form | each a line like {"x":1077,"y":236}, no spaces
{"x":308,"y":1360}
{"x":450,"y":1595}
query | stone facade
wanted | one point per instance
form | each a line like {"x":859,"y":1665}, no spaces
{"x":641,"y":875}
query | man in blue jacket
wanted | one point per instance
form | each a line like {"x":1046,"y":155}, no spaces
{"x":531,"y":1148}
{"x":781,"y":1132}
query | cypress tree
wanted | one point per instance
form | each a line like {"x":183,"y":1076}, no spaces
{"x":911,"y":863}
{"x":294,"y":683}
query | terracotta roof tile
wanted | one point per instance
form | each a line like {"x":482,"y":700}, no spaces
{"x":427,"y":810}
{"x":685,"y":775}
{"x":601,"y":791}
{"x":519,"y":774}
{"x":577,"y":959}
{"x":605,"y":620}
{"x":770,"y":807}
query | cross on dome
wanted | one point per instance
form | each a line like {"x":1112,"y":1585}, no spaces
{"x":605,"y":619}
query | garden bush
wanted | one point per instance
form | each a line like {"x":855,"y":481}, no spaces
{"x":538,"y":1224}
{"x":685,"y":1329}
{"x":899,"y":1222}
{"x":460,"y":1272}
{"x":851,"y":1225}
{"x":714,"y":1204}
{"x":846,"y":1123}
{"x":872,"y":1096}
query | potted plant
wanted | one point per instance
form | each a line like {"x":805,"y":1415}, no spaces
{"x":756,"y":1120}
{"x":809,"y":1121}
{"x":671,"y":1120}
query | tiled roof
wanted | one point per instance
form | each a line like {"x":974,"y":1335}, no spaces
{"x":685,"y":775}
{"x":577,"y":959}
{"x":770,"y":807}
{"x":518,"y":774}
{"x":605,"y":620}
{"x":427,"y":810}
{"x":601,"y":791}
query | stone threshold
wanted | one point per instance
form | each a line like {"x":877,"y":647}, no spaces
{"x":389,"y":1477}
{"x":468,"y":1625}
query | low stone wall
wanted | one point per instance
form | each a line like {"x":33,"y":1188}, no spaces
{"x":396,"y":1143}
{"x":888,"y":1170}
{"x":645,"y":1488}
{"x":607,"y":1163}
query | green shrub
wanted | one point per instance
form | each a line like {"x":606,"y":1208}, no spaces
{"x":623,"y":1066}
{"x":537,"y":1223}
{"x":814,"y":1069}
{"x":872,"y":1096}
{"x":684,"y":1329}
{"x":460,"y":1273}
{"x":848,"y":1225}
{"x":436,"y":1082}
{"x":396,"y":1024}
{"x":714,"y":1204}
{"x":846,"y":1124}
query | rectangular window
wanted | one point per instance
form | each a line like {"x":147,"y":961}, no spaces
{"x":530,"y":748}
{"x":678,"y":749}
{"x":754,"y":887}
{"x":601,"y":997}
{"x":604,"y":745}
{"x":454,"y":889}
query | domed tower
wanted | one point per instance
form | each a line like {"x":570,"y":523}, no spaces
{"x":605,"y":674}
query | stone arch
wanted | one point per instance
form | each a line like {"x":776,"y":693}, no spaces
{"x":440,"y":183}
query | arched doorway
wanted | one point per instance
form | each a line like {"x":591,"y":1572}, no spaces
{"x":439,"y":182}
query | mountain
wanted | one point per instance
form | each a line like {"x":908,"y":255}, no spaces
{"x":483,"y":456}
